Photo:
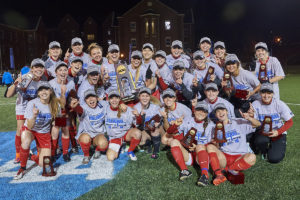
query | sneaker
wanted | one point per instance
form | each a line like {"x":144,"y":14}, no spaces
{"x":66,"y":157}
{"x":97,"y":154}
{"x":86,"y":160}
{"x":154,"y":156}
{"x":203,"y":181}
{"x":264,"y":156}
{"x":58,"y":151}
{"x":184,"y":174}
{"x":17,"y":161}
{"x":132,"y":156}
{"x":219,"y":179}
{"x":20,"y":174}
{"x":75,"y":150}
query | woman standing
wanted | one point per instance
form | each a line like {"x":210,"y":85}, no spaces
{"x":54,"y":53}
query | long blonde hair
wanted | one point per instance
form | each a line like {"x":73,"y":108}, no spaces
{"x":55,"y":105}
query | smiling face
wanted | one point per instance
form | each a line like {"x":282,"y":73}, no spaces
{"x":144,"y":98}
{"x":160,"y":60}
{"x":55,"y":52}
{"x":261,"y":54}
{"x":93,"y":78}
{"x":211,"y":94}
{"x":62,"y":73}
{"x":200,"y":63}
{"x":222,"y":114}
{"x":113,"y":56}
{"x":77,"y":48}
{"x":96,"y":54}
{"x":136,"y":62}
{"x":178,"y":73}
{"x":205,"y":46}
{"x":147,"y":53}
{"x":76,"y":66}
{"x":91,"y":101}
{"x":220,"y":52}
{"x":233,"y":67}
{"x":114,"y":101}
{"x":200,"y":115}
{"x":176,"y":51}
{"x":169,"y":101}
{"x":37,"y":71}
{"x":266,"y":97}
{"x":44,"y":93}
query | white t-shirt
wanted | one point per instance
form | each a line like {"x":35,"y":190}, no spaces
{"x":150,"y":112}
{"x":56,"y":87}
{"x":141,"y":79}
{"x":202,"y":73}
{"x":85,"y":58}
{"x":180,"y":109}
{"x":85,"y":85}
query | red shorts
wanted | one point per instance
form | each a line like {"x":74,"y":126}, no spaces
{"x":120,"y":140}
{"x":230,"y":159}
{"x":20,"y":117}
{"x":43,"y":140}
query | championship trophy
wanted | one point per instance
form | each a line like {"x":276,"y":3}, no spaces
{"x":150,"y":125}
{"x":48,"y":162}
{"x":266,"y":126}
{"x":262,"y":74}
{"x":241,"y":94}
{"x":26,"y":80}
{"x":210,"y":72}
{"x":220,"y":132}
{"x":228,"y":80}
{"x":188,"y":140}
{"x":125,"y":83}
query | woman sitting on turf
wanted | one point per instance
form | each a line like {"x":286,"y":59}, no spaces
{"x":233,"y":155}
{"x":198,"y":151}
{"x":273,"y":145}
{"x":91,"y":124}
{"x":38,"y":114}
{"x":118,"y":126}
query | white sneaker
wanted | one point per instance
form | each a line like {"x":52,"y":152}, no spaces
{"x":132,"y":156}
{"x":97,"y":154}
{"x":86,"y":160}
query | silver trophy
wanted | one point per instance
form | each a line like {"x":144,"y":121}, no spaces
{"x":26,"y":80}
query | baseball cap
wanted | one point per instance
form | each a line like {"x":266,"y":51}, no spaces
{"x":43,"y":84}
{"x":219,"y":44}
{"x":54,"y":44}
{"x":59,"y":64}
{"x":92,"y":68}
{"x":220,"y":106}
{"x":161,"y":53}
{"x":76,"y":40}
{"x":266,"y":87}
{"x":37,"y":61}
{"x":168,"y":92}
{"x":178,"y":64}
{"x":113,"y":47}
{"x":177,"y":43}
{"x":261,"y":45}
{"x":145,"y":89}
{"x":89,"y":92}
{"x":231,"y":58}
{"x":201,"y":106}
{"x":198,"y":54}
{"x":113,"y":93}
{"x":148,"y":45}
{"x":75,"y":58}
{"x":205,"y":39}
{"x":136,"y":53}
{"x":210,"y":86}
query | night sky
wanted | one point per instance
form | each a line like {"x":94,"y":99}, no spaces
{"x":236,"y":22}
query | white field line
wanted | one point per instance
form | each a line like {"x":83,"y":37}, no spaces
{"x":4,"y":104}
{"x":294,"y":104}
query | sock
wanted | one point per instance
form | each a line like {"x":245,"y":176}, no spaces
{"x":101,"y":149}
{"x":156,"y":143}
{"x":54,"y":147}
{"x":35,"y":158}
{"x":72,"y":132}
{"x":18,"y":145}
{"x":24,"y":153}
{"x":203,"y":162}
{"x":239,"y":165}
{"x":133,"y":143}
{"x":65,"y":145}
{"x":214,"y":163}
{"x":178,"y":156}
{"x":85,"y":148}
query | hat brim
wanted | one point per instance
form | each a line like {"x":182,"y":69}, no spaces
{"x":90,"y":95}
{"x":207,"y":41}
{"x":261,"y":47}
{"x":167,"y":95}
{"x":43,"y":87}
{"x":266,"y":90}
{"x":201,"y":108}
{"x":211,"y":88}
{"x":176,"y":46}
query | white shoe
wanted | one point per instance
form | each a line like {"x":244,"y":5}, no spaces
{"x":86,"y":160}
{"x":97,"y":154}
{"x":132,"y":156}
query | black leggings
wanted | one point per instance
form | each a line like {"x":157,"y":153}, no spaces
{"x":275,"y":150}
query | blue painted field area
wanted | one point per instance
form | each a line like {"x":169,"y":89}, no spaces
{"x":72,"y":180}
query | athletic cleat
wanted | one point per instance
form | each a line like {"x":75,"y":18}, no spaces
{"x":86,"y":160}
{"x":132,"y":156}
{"x":203,"y":181}
{"x":184,"y":174}
{"x":75,"y":150}
{"x":17,"y":161}
{"x":66,"y":157}
{"x":20,"y":174}
{"x":154,"y":156}
{"x":97,"y":154}
{"x":219,"y":179}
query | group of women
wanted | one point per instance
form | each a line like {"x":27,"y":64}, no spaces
{"x":207,"y":109}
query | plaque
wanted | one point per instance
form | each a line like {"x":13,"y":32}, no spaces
{"x":150,"y":125}
{"x":262,"y":74}
{"x":220,"y":132}
{"x":188,"y":140}
{"x":48,"y":162}
{"x":241,"y":94}
{"x":125,"y":83}
{"x":228,"y":80}
{"x":210,"y":72}
{"x":266,"y":126}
